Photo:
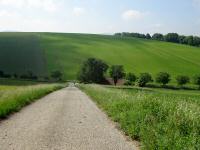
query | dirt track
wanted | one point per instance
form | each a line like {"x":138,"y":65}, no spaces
{"x":64,"y":120}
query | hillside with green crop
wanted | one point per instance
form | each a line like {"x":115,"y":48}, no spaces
{"x":42,"y":53}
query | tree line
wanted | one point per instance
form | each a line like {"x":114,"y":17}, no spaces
{"x":94,"y":70}
{"x":29,"y":75}
{"x":170,"y":37}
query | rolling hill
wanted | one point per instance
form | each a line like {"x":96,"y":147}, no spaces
{"x":42,"y":53}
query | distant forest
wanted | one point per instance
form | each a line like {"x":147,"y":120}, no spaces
{"x":170,"y":37}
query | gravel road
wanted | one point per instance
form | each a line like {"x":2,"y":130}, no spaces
{"x":64,"y":120}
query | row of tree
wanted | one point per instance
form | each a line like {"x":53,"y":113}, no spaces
{"x":55,"y":75}
{"x":170,"y":37}
{"x":94,"y":70}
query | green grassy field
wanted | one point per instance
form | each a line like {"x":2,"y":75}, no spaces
{"x":46,"y":52}
{"x":14,"y":97}
{"x":159,"y":119}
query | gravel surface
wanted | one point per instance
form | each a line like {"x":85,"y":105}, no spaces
{"x":64,"y":120}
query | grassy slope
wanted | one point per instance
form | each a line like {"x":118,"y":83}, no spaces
{"x":67,"y":51}
{"x":21,"y":52}
{"x":160,"y":119}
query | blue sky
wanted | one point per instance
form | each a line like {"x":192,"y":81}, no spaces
{"x":101,"y":16}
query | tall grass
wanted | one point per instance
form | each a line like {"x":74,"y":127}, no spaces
{"x":159,"y":120}
{"x":13,"y":98}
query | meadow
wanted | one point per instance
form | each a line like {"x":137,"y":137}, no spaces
{"x":14,"y":97}
{"x":158,"y":118}
{"x":47,"y":52}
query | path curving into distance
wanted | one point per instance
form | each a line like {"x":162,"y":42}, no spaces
{"x":64,"y":120}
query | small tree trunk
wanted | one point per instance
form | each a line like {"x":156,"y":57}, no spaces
{"x":115,"y":81}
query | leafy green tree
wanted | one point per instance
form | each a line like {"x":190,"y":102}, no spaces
{"x":182,"y":39}
{"x":130,"y":79}
{"x":57,"y":75}
{"x":163,"y":78}
{"x":143,"y":79}
{"x":197,"y":80}
{"x":117,"y":72}
{"x":158,"y":36}
{"x":148,"y":36}
{"x":172,"y":37}
{"x":92,"y":71}
{"x":182,"y":80}
{"x":196,"y":41}
{"x":189,"y":40}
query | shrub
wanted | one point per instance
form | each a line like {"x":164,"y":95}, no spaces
{"x":182,"y":80}
{"x":57,"y":75}
{"x":163,"y":78}
{"x":197,"y":80}
{"x":117,"y":72}
{"x":143,"y":79}
{"x":92,"y":71}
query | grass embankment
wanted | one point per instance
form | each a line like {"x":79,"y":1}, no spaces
{"x":160,"y":119}
{"x":13,"y":98}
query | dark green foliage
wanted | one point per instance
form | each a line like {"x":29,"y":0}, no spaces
{"x":197,"y":80}
{"x":143,"y":79}
{"x":158,"y":36}
{"x":163,"y":78}
{"x":130,"y":79}
{"x":92,"y":71}
{"x":117,"y":72}
{"x":196,"y":41}
{"x":182,"y":39}
{"x":189,"y":40}
{"x":57,"y":75}
{"x":29,"y":75}
{"x":172,"y":37}
{"x":182,"y":80}
{"x":148,"y":36}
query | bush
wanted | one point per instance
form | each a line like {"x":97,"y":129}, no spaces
{"x":131,"y":77}
{"x":197,"y":80}
{"x":144,"y":79}
{"x":163,"y":78}
{"x":92,"y":71}
{"x":57,"y":75}
{"x":182,"y":80}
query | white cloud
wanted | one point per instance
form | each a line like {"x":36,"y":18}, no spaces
{"x":47,"y":5}
{"x":133,"y":15}
{"x":78,"y":11}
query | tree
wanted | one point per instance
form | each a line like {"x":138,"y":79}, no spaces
{"x":189,"y":40}
{"x":182,"y":80}
{"x":163,"y":78}
{"x":158,"y":36}
{"x":148,"y":36}
{"x":182,"y":39}
{"x":92,"y":71}
{"x":197,"y":80}
{"x":143,"y":79}
{"x":117,"y":72}
{"x":57,"y":75}
{"x":172,"y":37}
{"x":196,"y":41}
{"x":131,"y":78}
